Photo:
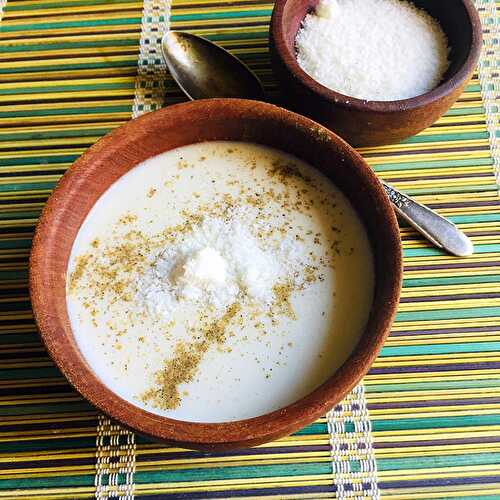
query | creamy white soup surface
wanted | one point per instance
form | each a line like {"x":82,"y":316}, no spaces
{"x":219,"y":281}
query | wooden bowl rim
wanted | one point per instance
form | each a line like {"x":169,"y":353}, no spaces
{"x":442,"y":90}
{"x":198,"y":435}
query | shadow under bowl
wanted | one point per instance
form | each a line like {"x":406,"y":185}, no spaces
{"x":180,"y":125}
{"x":374,"y":123}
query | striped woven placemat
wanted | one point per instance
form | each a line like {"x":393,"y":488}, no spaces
{"x":72,"y":70}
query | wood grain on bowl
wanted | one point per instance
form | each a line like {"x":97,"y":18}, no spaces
{"x":163,"y":130}
{"x":374,"y":123}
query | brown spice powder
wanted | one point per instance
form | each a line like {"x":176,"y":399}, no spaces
{"x":79,"y":271}
{"x":182,"y":368}
{"x":127,"y":219}
{"x":282,"y":294}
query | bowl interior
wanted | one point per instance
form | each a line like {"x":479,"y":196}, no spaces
{"x":452,"y":15}
{"x":154,"y":133}
{"x":455,"y":22}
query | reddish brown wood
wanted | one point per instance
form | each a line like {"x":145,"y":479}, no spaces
{"x":153,"y":133}
{"x":373,"y":123}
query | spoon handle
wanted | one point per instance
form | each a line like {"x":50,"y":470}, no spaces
{"x":440,"y":231}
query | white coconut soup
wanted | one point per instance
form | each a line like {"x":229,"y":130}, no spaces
{"x":219,"y":281}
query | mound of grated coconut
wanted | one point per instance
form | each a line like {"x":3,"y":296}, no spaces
{"x":218,"y":262}
{"x":380,"y":50}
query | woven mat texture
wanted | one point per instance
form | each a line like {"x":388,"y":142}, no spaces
{"x":71,"y":71}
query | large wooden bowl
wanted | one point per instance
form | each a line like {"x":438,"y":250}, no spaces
{"x":154,"y":133}
{"x":373,"y":123}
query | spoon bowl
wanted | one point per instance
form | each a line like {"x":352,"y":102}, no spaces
{"x":204,"y":70}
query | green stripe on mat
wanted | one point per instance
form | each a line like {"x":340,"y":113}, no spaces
{"x":473,"y":312}
{"x":68,"y":88}
{"x":30,"y":47}
{"x":57,"y":5}
{"x":429,"y":164}
{"x":430,"y":386}
{"x":66,"y":111}
{"x":70,"y":24}
{"x":422,"y":350}
{"x":470,"y":459}
{"x":421,"y":139}
{"x":451,"y":280}
{"x":434,"y":423}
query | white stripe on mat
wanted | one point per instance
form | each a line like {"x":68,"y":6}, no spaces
{"x":488,"y":75}
{"x":353,"y":460}
{"x":115,"y":461}
{"x":115,"y":446}
{"x":3,"y":3}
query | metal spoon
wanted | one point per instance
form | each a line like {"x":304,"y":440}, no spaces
{"x":204,"y":70}
{"x":438,"y":230}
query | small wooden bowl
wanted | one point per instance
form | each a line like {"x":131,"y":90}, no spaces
{"x":373,"y":123}
{"x":154,"y":133}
